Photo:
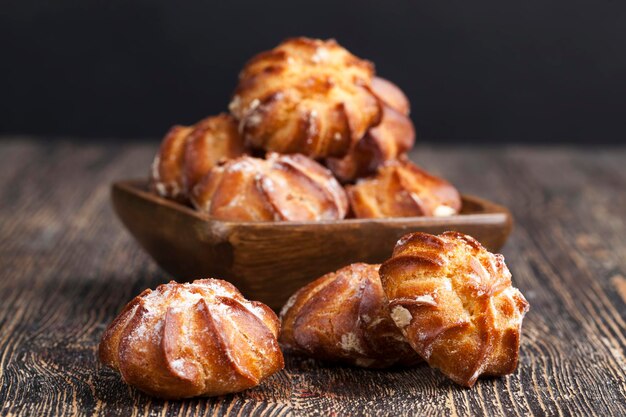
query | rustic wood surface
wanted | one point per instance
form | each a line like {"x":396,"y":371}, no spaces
{"x":67,"y":266}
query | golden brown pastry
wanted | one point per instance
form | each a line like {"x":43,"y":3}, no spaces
{"x":343,"y":317}
{"x":401,"y":189}
{"x":188,"y":153}
{"x":212,"y":140}
{"x":454,"y":302}
{"x":197,"y":339}
{"x":388,"y":140}
{"x":166,"y":177}
{"x":306,"y":96}
{"x":280,"y":187}
{"x":391,"y":95}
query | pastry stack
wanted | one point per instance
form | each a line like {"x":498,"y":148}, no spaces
{"x":311,"y":134}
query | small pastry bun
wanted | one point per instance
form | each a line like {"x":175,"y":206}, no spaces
{"x":198,"y":339}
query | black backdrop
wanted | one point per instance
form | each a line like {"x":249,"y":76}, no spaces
{"x":531,"y":71}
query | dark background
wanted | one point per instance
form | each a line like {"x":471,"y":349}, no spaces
{"x":498,"y":71}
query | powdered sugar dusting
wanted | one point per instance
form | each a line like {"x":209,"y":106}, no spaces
{"x":290,"y":302}
{"x":186,"y":301}
{"x":214,"y":286}
{"x":312,"y":128}
{"x":443,"y":211}
{"x":401,"y":316}
{"x":321,"y":54}
{"x":161,"y":189}
{"x":155,"y":167}
{"x":426,"y":299}
{"x":181,"y":298}
{"x":253,"y":105}
{"x":235,"y":104}
{"x":178,"y":365}
{"x":245,"y":164}
{"x":254,"y":119}
{"x":268,"y":184}
{"x":351,"y":343}
{"x":147,"y":329}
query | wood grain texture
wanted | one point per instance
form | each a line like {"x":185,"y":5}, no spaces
{"x":67,"y":266}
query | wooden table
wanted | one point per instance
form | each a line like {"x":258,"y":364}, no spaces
{"x":67,"y":267}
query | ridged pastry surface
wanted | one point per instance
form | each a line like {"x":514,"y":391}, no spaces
{"x":391,"y":95}
{"x":306,"y":96}
{"x":166,"y":176}
{"x":401,"y":189}
{"x":387,"y":141}
{"x":212,"y":140}
{"x":277,"y":188}
{"x":187,"y":153}
{"x":454,"y":302}
{"x":198,"y":339}
{"x":343,"y":317}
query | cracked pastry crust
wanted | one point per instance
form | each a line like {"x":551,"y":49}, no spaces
{"x":280,"y":187}
{"x":306,"y":96}
{"x":197,"y":339}
{"x":401,"y":189}
{"x":343,"y":317}
{"x":454,"y":302}
{"x":188,"y":153}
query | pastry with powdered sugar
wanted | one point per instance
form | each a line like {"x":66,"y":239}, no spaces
{"x":196,"y":339}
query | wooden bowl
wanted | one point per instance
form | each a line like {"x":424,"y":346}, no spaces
{"x":269,"y":261}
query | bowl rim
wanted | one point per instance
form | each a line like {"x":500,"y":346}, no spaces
{"x":138,"y":187}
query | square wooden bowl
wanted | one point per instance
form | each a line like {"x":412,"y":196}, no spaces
{"x":269,"y":261}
